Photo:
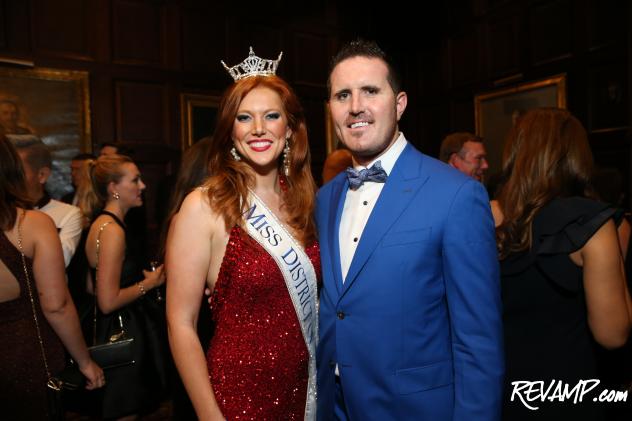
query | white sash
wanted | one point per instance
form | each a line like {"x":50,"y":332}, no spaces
{"x":300,"y":279}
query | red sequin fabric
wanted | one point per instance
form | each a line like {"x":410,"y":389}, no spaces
{"x":257,"y":358}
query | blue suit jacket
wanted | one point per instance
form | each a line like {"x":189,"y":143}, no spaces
{"x":416,"y":327}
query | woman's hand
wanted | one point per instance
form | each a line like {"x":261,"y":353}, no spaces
{"x":155,"y":278}
{"x":94,"y":375}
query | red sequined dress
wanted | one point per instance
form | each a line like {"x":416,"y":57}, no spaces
{"x":257,"y":359}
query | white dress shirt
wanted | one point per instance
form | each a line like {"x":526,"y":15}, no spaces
{"x":359,"y":205}
{"x":68,"y":221}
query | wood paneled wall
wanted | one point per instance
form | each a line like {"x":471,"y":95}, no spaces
{"x":450,"y":51}
{"x":142,"y":54}
{"x":495,"y":43}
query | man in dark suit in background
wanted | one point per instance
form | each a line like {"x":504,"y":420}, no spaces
{"x":465,"y":152}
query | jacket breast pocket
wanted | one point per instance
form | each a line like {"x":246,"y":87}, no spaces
{"x":418,"y":379}
{"x":420,"y":235}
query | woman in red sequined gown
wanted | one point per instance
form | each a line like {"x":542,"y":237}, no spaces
{"x":259,"y":364}
{"x":23,"y":375}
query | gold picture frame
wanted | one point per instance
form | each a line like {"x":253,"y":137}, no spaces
{"x":495,"y":112}
{"x":54,"y":106}
{"x":198,"y":113}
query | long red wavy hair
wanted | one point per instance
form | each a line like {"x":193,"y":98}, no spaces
{"x":228,"y":187}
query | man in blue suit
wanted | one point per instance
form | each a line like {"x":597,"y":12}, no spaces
{"x":410,"y":312}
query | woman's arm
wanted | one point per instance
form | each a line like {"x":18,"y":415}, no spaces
{"x":55,"y":300}
{"x":188,"y":262}
{"x":624,"y":230}
{"x":607,"y":297}
{"x":496,"y":212}
{"x":110,"y":295}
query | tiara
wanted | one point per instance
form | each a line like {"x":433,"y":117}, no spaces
{"x":253,"y":66}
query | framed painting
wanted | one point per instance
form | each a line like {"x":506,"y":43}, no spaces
{"x":198,"y":114}
{"x":609,"y":108}
{"x":496,"y":111}
{"x":52,"y":105}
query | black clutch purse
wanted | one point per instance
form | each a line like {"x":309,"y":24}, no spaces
{"x":113,"y":354}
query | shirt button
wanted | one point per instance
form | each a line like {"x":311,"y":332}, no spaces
{"x":355,"y":240}
{"x":365,"y":203}
{"x":341,"y":315}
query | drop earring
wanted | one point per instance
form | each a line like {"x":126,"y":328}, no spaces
{"x":286,"y":158}
{"x":116,"y":196}
{"x":235,"y":155}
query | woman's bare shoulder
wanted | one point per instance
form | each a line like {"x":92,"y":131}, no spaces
{"x":107,"y":225}
{"x":36,"y":228}
{"x":36,"y":222}
{"x":197,"y":197}
{"x":197,"y":217}
{"x":197,"y":205}
{"x":36,"y":217}
{"x":109,"y":233}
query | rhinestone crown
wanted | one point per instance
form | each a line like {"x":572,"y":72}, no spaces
{"x":253,"y":66}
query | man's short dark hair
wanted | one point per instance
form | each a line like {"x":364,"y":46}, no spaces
{"x":83,"y":156}
{"x":453,"y":144}
{"x":8,"y":101}
{"x":37,"y":153}
{"x":368,"y":49}
{"x":120,"y":149}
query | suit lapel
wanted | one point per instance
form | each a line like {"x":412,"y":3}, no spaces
{"x":400,"y":188}
{"x":337,"y":201}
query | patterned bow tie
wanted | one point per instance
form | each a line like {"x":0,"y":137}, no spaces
{"x":356,"y":178}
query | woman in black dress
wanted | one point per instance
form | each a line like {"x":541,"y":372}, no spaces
{"x":563,"y":284}
{"x":121,"y":290}
{"x":23,"y":375}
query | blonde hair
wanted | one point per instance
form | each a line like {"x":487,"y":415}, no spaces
{"x":92,"y":191}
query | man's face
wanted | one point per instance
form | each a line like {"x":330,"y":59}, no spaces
{"x":32,"y":177}
{"x":8,"y":115}
{"x":364,"y":109}
{"x":472,"y":160}
{"x":75,"y":170}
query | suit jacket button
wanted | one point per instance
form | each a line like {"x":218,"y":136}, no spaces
{"x":332,"y":364}
{"x":341,"y":315}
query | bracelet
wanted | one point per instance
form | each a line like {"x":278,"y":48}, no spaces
{"x":141,"y":287}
